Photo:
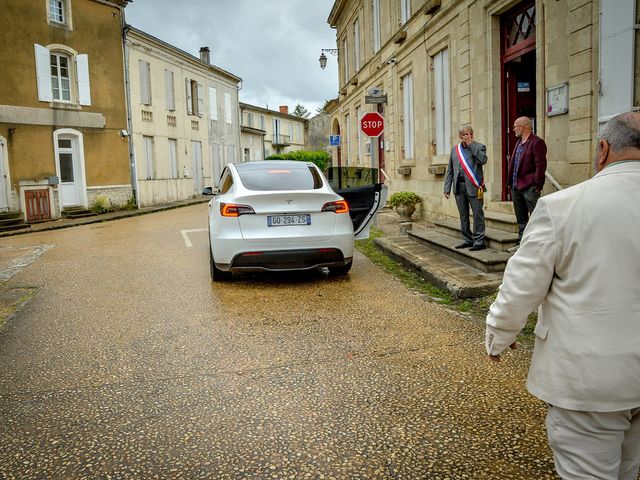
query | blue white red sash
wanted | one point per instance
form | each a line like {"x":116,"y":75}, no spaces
{"x":466,"y":167}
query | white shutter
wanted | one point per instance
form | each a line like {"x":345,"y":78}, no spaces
{"x":43,"y":73}
{"x":145,"y":82}
{"x":616,"y":57}
{"x":227,"y":108}
{"x":84,"y":89}
{"x":169,"y":90}
{"x":213,"y":104}
{"x":200,"y":93}
{"x":187,"y":83}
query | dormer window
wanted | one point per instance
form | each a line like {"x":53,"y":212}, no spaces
{"x":57,"y":11}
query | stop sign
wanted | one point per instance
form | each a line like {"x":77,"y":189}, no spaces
{"x":372,"y":124}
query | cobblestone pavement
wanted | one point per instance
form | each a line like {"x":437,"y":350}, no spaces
{"x":130,"y":363}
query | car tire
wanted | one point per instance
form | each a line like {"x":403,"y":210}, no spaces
{"x":217,"y":275}
{"x":342,"y":269}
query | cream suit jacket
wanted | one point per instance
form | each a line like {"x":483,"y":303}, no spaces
{"x":579,"y":261}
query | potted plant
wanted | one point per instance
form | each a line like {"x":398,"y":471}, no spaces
{"x":405,"y":204}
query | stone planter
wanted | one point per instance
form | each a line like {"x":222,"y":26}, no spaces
{"x":405,"y":211}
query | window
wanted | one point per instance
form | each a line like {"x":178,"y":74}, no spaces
{"x":62,"y":75}
{"x":347,"y":127}
{"x":255,"y":176}
{"x":195,"y":101}
{"x":145,"y":82}
{"x":407,"y":97}
{"x":356,"y":44}
{"x":247,"y":155}
{"x":60,"y":79}
{"x":148,"y":157}
{"x":345,"y":59}
{"x":376,"y":25}
{"x":213,"y":104}
{"x":169,"y":90}
{"x":261,"y":122}
{"x":442,"y":102}
{"x":227,"y":108}
{"x":405,"y":11}
{"x":250,"y":119}
{"x":173,"y":157}
{"x":58,"y":11}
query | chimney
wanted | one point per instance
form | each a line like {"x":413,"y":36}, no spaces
{"x":284,"y":109}
{"x":205,"y":55}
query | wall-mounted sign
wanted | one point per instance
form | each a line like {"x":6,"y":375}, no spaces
{"x":558,"y":99}
{"x":334,"y":140}
{"x":524,"y":87}
{"x":375,"y":99}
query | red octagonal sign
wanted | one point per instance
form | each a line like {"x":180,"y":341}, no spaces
{"x":372,"y":124}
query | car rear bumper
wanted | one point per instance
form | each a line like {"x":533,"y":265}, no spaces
{"x":299,"y":259}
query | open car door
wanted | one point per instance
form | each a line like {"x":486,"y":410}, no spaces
{"x":359,"y":186}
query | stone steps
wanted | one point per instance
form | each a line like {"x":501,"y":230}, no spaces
{"x":495,"y":238}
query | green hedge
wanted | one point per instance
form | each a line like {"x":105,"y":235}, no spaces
{"x":320,"y":158}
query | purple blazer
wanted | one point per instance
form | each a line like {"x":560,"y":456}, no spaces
{"x":532,"y":166}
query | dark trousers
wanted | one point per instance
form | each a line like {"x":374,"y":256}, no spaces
{"x":524,"y":201}
{"x":463,"y":200}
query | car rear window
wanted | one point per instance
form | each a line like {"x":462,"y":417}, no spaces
{"x":275,"y":177}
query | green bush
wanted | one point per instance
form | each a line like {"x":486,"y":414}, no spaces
{"x":319,"y":158}
{"x":404,"y":198}
{"x":100,"y":204}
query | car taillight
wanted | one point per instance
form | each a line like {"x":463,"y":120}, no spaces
{"x":341,"y":206}
{"x":234,"y":210}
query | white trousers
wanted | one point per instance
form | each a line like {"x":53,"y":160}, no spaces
{"x":595,"y":445}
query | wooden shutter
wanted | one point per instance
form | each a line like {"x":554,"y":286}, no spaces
{"x":169,"y":90}
{"x":84,"y":89}
{"x":200,"y":93}
{"x":213,"y":104}
{"x":227,"y":108}
{"x":187,"y":84}
{"x":43,"y":73}
{"x":145,"y":87}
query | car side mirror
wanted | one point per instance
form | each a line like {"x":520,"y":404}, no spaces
{"x":210,"y":191}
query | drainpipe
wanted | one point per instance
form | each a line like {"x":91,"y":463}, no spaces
{"x":127,"y":85}
{"x":239,"y":87}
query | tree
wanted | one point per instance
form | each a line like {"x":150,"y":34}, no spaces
{"x":301,"y":112}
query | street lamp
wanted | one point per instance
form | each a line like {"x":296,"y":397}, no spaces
{"x":323,"y":57}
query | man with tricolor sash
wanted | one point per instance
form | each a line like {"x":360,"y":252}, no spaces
{"x":464,"y":175}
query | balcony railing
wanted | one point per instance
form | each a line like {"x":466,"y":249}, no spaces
{"x":281,"y":140}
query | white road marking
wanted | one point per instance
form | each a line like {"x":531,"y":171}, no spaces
{"x":33,"y":253}
{"x":185,"y":235}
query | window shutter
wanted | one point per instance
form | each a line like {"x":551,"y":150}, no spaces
{"x":145,"y":88}
{"x":84,"y":89}
{"x":213,"y":104}
{"x":187,"y":84}
{"x":169,"y":90}
{"x":200,"y":93}
{"x":43,"y":73}
{"x":227,"y":108}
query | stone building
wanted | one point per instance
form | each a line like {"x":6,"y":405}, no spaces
{"x":568,"y":65}
{"x":185,"y":124}
{"x":283,"y":132}
{"x":63,"y":119}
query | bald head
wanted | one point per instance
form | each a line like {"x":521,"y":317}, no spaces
{"x":524,"y":122}
{"x":619,"y":140}
{"x":522,"y":128}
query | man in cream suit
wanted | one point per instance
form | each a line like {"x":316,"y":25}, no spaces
{"x":579,"y":261}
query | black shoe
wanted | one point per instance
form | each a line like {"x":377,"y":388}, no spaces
{"x":464,"y":245}
{"x":475,"y":248}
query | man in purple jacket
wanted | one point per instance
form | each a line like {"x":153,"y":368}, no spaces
{"x":527,"y":165}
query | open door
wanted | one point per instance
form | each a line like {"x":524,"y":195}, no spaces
{"x":360,"y":187}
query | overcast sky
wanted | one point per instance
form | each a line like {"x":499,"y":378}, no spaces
{"x":273,"y":45}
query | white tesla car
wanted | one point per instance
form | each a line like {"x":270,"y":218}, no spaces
{"x":283,"y":215}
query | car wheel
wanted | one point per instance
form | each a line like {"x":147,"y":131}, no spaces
{"x":217,"y":275}
{"x":342,"y":269}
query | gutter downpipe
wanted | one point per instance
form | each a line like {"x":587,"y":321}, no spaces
{"x":127,"y":84}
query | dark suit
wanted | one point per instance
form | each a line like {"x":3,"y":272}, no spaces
{"x":529,"y":178}
{"x":466,"y":192}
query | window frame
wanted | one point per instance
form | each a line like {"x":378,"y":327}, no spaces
{"x":442,"y":101}
{"x":78,"y":70}
{"x":65,"y":13}
{"x":58,"y":78}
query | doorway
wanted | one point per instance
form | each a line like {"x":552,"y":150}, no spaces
{"x":4,"y":177}
{"x":70,"y":168}
{"x":518,"y":64}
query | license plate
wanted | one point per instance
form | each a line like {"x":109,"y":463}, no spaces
{"x":284,"y":220}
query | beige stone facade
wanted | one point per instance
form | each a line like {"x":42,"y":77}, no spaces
{"x":62,"y":106}
{"x":450,"y":62}
{"x":184,"y":119}
{"x":283,"y":132}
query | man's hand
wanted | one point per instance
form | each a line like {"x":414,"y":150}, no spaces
{"x":496,"y":358}
{"x":446,"y":195}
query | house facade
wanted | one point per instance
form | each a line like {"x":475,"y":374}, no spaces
{"x":283,"y":132}
{"x":62,"y":106}
{"x":185,"y":123}
{"x":437,"y":64}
